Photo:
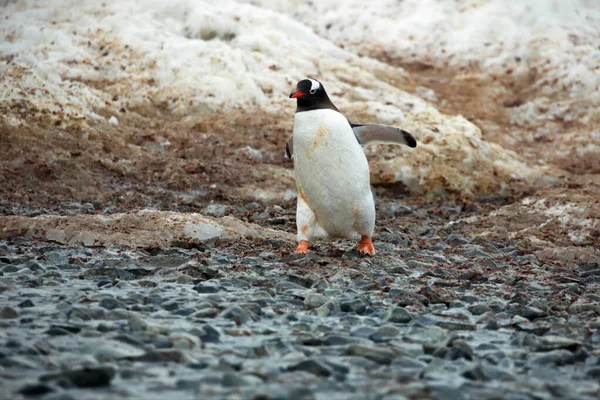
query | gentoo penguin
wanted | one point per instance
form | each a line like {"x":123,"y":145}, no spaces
{"x":331,"y":169}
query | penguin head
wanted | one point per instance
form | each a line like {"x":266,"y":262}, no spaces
{"x":310,"y":95}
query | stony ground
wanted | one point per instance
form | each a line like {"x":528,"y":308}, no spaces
{"x":435,"y":315}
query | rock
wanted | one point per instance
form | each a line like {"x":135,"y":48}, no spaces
{"x":209,"y":334}
{"x":8,"y":313}
{"x":161,"y":355}
{"x":478,"y":309}
{"x":328,"y":308}
{"x":397,"y":315}
{"x":84,"y":378}
{"x":314,"y":300}
{"x":35,"y":390}
{"x":144,"y":228}
{"x":363,"y":332}
{"x":35,"y":267}
{"x":378,"y":355}
{"x":552,"y":342}
{"x":313,"y":366}
{"x":111,"y":303}
{"x":182,"y":340}
{"x":555,"y":357}
{"x":205,"y":313}
{"x":340,"y":340}
{"x":355,"y":305}
{"x":113,"y":350}
{"x":593,"y":373}
{"x":387,"y":331}
{"x":232,"y":379}
{"x":204,"y":289}
{"x":8,"y":269}
{"x":26,"y":304}
{"x":282,"y":286}
{"x":216,"y":210}
{"x":109,"y":272}
{"x":394,"y":209}
{"x":455,"y":325}
{"x":237,"y":314}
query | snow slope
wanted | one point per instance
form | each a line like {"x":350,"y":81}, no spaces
{"x":78,"y":60}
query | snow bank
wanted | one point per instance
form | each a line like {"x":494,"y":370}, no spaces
{"x":184,"y":56}
{"x":88,"y":61}
{"x":553,"y":42}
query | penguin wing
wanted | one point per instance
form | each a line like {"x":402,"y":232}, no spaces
{"x":368,"y":134}
{"x":375,"y":133}
{"x":289,"y":148}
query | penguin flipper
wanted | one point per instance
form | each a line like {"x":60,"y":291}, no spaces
{"x":289,"y":148}
{"x":375,"y":133}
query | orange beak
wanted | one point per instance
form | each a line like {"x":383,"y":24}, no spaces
{"x":295,"y":94}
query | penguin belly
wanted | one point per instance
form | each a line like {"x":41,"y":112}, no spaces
{"x":332,"y":175}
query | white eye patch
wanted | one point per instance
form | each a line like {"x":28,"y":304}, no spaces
{"x":314,"y":85}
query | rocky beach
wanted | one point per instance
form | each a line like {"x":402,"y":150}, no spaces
{"x":147,"y":211}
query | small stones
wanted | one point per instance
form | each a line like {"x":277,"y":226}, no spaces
{"x":459,"y":322}
{"x":8,"y":313}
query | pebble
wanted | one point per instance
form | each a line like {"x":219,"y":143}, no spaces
{"x":397,"y":315}
{"x":314,"y":300}
{"x":313,"y":366}
{"x":378,"y":355}
{"x":8,"y":313}
{"x":209,"y":320}
{"x":85,"y":377}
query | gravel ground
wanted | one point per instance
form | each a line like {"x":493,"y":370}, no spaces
{"x":434,"y":315}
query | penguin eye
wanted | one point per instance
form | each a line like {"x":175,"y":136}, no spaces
{"x":313,"y":91}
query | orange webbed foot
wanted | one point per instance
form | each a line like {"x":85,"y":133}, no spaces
{"x":365,"y":246}
{"x":302,"y":247}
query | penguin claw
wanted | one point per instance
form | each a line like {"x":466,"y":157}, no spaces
{"x":365,"y":246}
{"x":302,"y":247}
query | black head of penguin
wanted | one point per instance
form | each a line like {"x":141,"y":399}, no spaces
{"x":310,"y":95}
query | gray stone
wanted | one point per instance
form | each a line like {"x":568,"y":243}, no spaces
{"x":216,"y":210}
{"x":282,"y":286}
{"x":555,"y":357}
{"x":378,"y":355}
{"x":162,"y":355}
{"x":313,"y":366}
{"x":314,"y":300}
{"x":8,"y":313}
{"x":478,"y":309}
{"x":85,"y":377}
{"x":397,"y":315}
{"x":237,"y":314}
{"x":111,"y":303}
{"x":355,"y":305}
{"x":326,"y":309}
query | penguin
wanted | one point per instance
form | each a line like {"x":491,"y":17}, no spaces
{"x":331,"y":169}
